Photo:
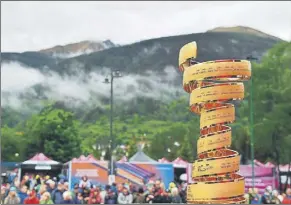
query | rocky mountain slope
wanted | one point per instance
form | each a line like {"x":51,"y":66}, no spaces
{"x":76,"y":49}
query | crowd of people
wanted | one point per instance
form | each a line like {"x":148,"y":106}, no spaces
{"x":270,"y":196}
{"x":47,"y":190}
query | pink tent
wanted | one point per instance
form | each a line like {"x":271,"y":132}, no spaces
{"x":269,"y":164}
{"x":284,"y":168}
{"x":91,"y":158}
{"x":258,"y":163}
{"x":123,"y":159}
{"x":82,"y":158}
{"x":164,"y":160}
{"x":180,"y":163}
{"x":75,"y":160}
{"x":40,"y":158}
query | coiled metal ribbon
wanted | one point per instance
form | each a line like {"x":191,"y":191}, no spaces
{"x":213,"y":85}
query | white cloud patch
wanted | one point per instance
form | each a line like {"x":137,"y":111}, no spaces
{"x":18,"y":81}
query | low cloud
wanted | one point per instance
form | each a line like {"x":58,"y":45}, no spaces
{"x":26,"y":87}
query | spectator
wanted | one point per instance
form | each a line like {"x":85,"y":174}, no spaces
{"x":3,"y":194}
{"x":75,"y":191}
{"x":42,"y":189}
{"x":32,"y":182}
{"x":247,"y":197}
{"x":267,"y":196}
{"x":17,"y":185}
{"x":183,"y":193}
{"x":25,"y":181}
{"x":287,"y":197}
{"x":150,"y":196}
{"x":158,"y":187}
{"x":125,"y":197}
{"x":57,"y":194}
{"x":22,"y":193}
{"x":79,"y":198}
{"x":31,"y":199}
{"x":86,"y":194}
{"x":254,"y":196}
{"x":114,"y":188}
{"x":12,"y":197}
{"x":171,"y":186}
{"x":95,"y":197}
{"x":85,"y":183}
{"x":51,"y":185}
{"x":7,"y":188}
{"x":110,"y":197}
{"x":158,"y":194}
{"x":176,"y":199}
{"x":140,"y":197}
{"x":67,"y":198}
{"x":66,"y":186}
{"x":275,"y":197}
{"x":46,"y":198}
{"x":165,"y":197}
{"x":102,"y":195}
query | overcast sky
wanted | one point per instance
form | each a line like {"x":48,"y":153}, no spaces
{"x":37,"y":25}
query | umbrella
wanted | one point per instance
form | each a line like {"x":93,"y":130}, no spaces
{"x":183,"y":177}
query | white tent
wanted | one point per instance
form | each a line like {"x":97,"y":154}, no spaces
{"x":140,"y":156}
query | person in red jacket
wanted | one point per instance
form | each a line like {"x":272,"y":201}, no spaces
{"x":95,"y":197}
{"x":31,"y":199}
{"x":287,"y":198}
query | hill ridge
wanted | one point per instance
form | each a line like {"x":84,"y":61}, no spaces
{"x":243,"y":29}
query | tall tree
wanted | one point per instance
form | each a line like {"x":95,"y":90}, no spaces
{"x":54,"y":132}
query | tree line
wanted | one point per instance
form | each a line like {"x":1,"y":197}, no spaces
{"x":169,"y":129}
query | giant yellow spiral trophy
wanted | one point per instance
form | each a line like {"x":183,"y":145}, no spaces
{"x":213,"y":85}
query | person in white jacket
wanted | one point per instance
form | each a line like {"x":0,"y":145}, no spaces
{"x":125,"y":197}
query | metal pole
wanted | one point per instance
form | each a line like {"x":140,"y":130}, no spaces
{"x":111,"y":121}
{"x":252,"y":130}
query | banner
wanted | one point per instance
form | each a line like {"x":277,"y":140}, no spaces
{"x":264,"y":176}
{"x":97,"y":173}
{"x":142,"y":173}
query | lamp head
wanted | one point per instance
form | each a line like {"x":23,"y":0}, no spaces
{"x":106,"y":80}
{"x":117,"y":74}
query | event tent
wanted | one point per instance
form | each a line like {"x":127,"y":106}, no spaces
{"x":123,"y":159}
{"x":140,"y":156}
{"x":40,"y":158}
{"x":164,"y":160}
{"x":180,"y":163}
{"x":83,"y":158}
{"x":40,"y":163}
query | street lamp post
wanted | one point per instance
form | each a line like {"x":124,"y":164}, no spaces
{"x":251,"y":58}
{"x":113,"y":74}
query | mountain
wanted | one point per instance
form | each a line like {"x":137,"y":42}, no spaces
{"x":243,"y":29}
{"x":149,"y":69}
{"x":155,"y":54}
{"x":31,"y":59}
{"x":152,"y":54}
{"x":76,"y":49}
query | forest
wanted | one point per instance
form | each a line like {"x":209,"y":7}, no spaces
{"x":169,"y":129}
